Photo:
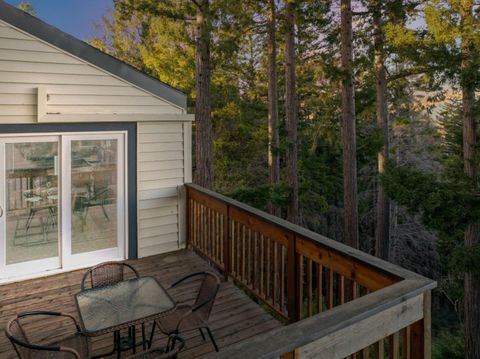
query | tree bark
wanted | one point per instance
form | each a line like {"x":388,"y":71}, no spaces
{"x":472,"y":232}
{"x":291,"y":112}
{"x":348,"y":129}
{"x":273,"y":138}
{"x":203,"y":121}
{"x":382,"y":233}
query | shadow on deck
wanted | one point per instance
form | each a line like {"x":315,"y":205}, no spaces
{"x":235,"y":317}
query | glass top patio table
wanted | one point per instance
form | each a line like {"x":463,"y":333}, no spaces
{"x":113,"y":307}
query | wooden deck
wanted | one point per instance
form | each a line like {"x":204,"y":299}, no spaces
{"x":235,"y":317}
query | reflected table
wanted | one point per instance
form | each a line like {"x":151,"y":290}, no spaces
{"x":122,"y":305}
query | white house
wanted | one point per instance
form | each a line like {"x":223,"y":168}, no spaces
{"x":93,"y":154}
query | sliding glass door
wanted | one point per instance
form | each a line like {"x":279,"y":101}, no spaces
{"x":29,"y":205}
{"x":94,"y":210}
{"x":62,"y":202}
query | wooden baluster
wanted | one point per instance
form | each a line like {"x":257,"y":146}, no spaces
{"x":261,"y":285}
{"x":189,"y":217}
{"x":293,"y":283}
{"x":267,"y":267}
{"x":300,"y":286}
{"x":341,"y":289}
{"x":282,"y":278}
{"x":255,"y":261}
{"x":309,"y":287}
{"x":319,"y":288}
{"x":244,"y":251}
{"x":226,"y":242}
{"x":275,"y":274}
{"x":237,"y":252}
{"x":406,"y":343}
{"x":249,"y":257}
{"x":379,"y":350}
{"x":329,"y":288}
{"x":394,"y":346}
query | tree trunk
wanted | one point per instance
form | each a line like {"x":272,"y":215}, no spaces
{"x":273,"y":139}
{"x":348,"y":129}
{"x":203,"y":121}
{"x":472,"y":233}
{"x":382,"y":233}
{"x":291,"y":112}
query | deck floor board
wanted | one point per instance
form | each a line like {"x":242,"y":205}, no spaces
{"x":235,"y":317}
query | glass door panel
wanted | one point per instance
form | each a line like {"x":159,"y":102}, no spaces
{"x":29,"y":198}
{"x":94,"y":205}
{"x":94,"y":194}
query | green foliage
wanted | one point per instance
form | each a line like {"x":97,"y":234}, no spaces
{"x":448,"y":345}
{"x":27,"y":7}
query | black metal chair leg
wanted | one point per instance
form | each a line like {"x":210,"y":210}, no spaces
{"x":144,"y":344}
{"x":211,"y":338}
{"x":119,"y":344}
{"x":134,"y":339}
{"x":151,"y":335}
{"x":201,"y":332}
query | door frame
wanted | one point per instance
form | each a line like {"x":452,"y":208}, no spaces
{"x":130,"y":145}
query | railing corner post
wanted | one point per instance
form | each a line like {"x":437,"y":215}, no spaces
{"x":421,"y":331}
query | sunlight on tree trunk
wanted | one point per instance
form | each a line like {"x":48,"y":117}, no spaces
{"x":203,"y":121}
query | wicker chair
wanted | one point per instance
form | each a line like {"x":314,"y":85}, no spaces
{"x":192,"y":317}
{"x":162,"y":353}
{"x":73,"y":346}
{"x":106,"y":274}
{"x":109,"y":273}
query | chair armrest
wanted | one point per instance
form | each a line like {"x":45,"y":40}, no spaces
{"x":53,"y":314}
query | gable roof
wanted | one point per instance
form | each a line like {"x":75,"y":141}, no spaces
{"x":50,"y":34}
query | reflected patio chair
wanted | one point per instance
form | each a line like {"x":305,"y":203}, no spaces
{"x":109,"y":273}
{"x":192,"y":317}
{"x":162,"y":353}
{"x":73,"y":346}
{"x":100,"y":197}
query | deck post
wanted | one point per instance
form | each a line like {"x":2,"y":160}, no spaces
{"x":421,"y":331}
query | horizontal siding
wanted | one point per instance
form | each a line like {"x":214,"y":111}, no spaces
{"x":74,"y":86}
{"x":160,"y":170}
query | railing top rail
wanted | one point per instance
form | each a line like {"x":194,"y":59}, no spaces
{"x":273,"y":344}
{"x":355,"y":254}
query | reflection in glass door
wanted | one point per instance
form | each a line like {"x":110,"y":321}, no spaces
{"x":94,"y":194}
{"x":95,"y":183}
{"x":29,"y":200}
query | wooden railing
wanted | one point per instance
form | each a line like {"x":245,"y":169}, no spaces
{"x":313,"y":283}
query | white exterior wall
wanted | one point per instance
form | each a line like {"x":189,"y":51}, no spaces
{"x":78,"y":91}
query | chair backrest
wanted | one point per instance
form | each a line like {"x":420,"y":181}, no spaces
{"x":207,"y":293}
{"x":107,"y":273}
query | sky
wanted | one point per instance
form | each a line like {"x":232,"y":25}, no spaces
{"x":76,"y":17}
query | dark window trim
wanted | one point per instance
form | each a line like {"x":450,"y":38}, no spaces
{"x":131,"y":161}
